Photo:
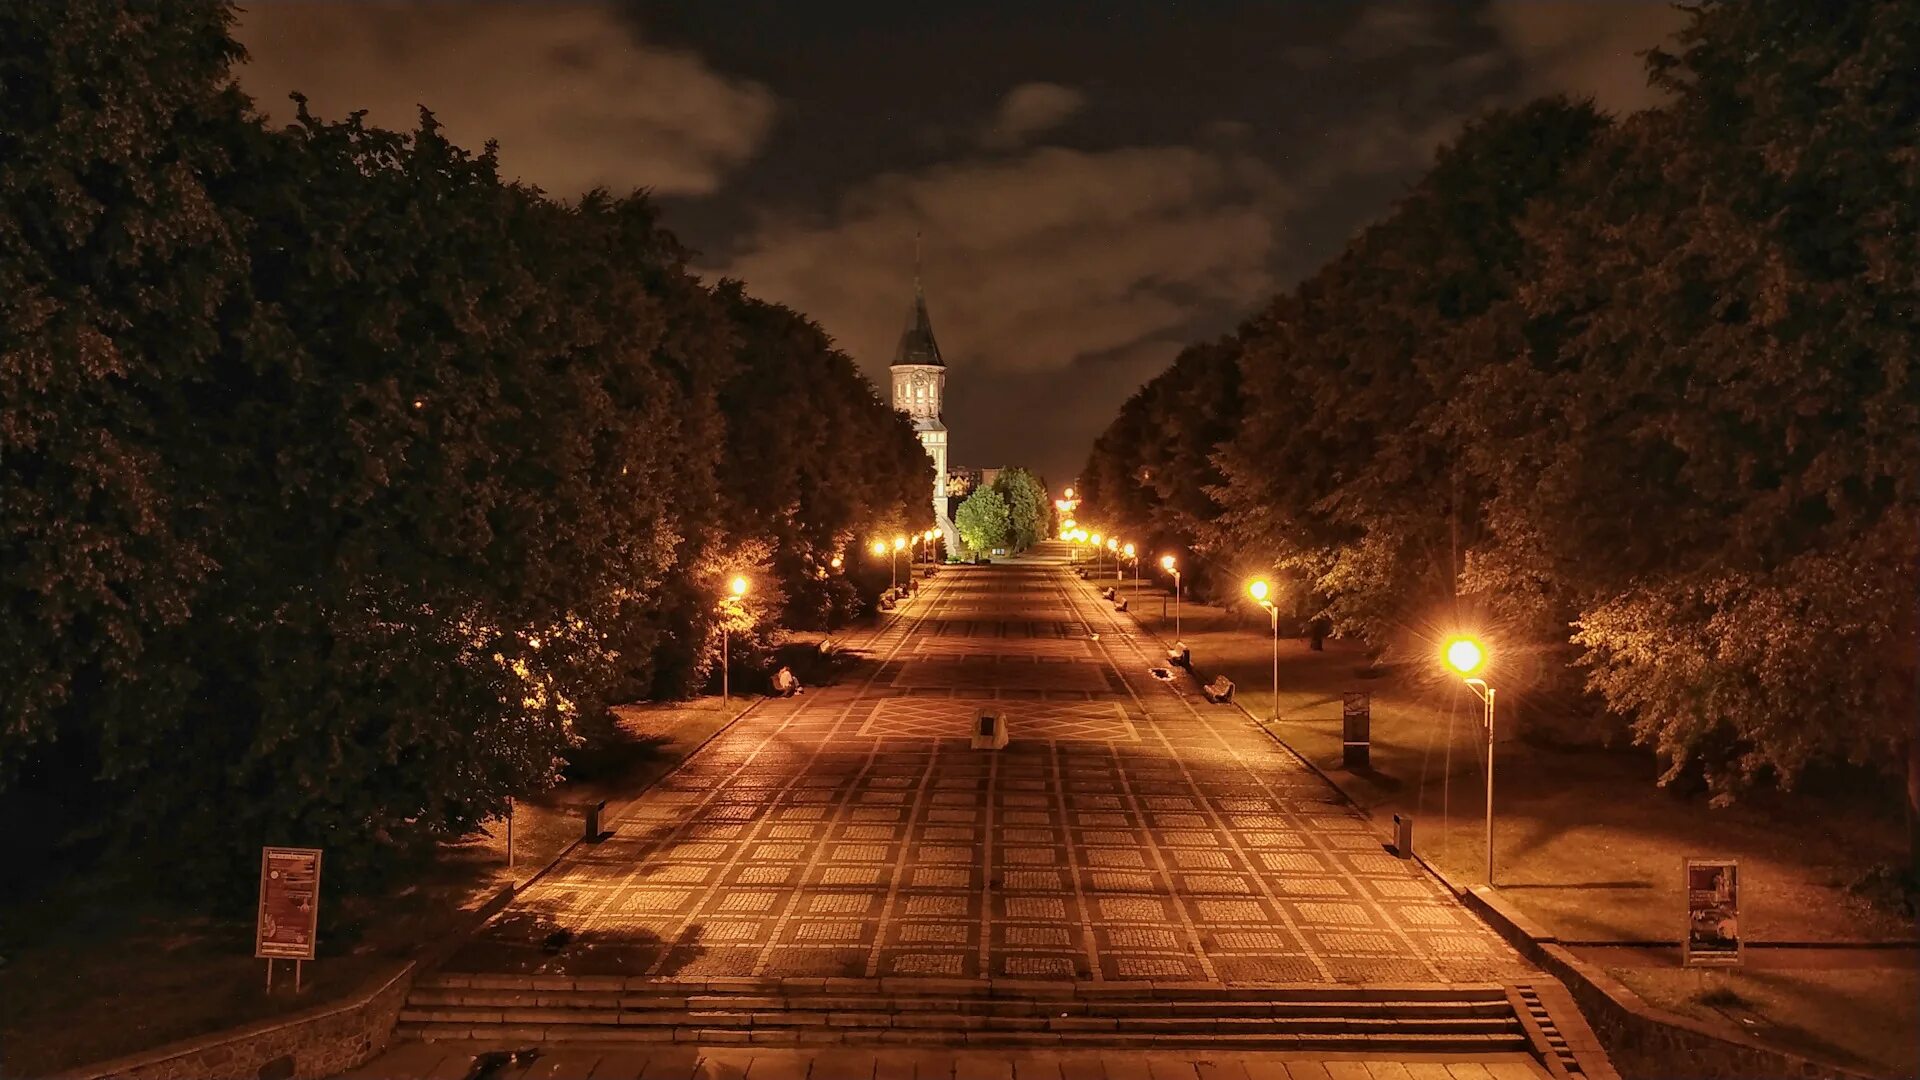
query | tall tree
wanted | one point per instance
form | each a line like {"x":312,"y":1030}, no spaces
{"x":118,"y":267}
{"x":982,"y":520}
{"x":1029,"y":512}
{"x":1725,"y":318}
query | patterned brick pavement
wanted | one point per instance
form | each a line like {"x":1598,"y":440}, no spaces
{"x":1128,"y":832}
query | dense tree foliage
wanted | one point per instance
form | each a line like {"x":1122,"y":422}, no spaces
{"x":1029,"y":509}
{"x":342,"y":479}
{"x":982,"y":520}
{"x":1638,"y":398}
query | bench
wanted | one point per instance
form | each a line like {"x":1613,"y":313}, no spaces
{"x":1107,"y":593}
{"x":1219,"y":690}
{"x":1121,"y":604}
{"x":1180,"y":655}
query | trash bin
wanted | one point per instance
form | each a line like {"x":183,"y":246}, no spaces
{"x":594,"y":810}
{"x":1403,"y":835}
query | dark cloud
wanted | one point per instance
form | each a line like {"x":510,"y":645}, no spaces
{"x":1035,"y":261}
{"x":1030,"y":109}
{"x":1585,"y":48}
{"x":1098,"y":184}
{"x":574,"y":97}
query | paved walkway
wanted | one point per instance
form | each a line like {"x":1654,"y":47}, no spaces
{"x":1128,"y":834}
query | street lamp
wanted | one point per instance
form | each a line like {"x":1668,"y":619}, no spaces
{"x":1135,"y":560}
{"x":893,"y":563}
{"x":1466,"y":656}
{"x":738,"y":587}
{"x":1259,"y":590}
{"x":1096,"y":554}
{"x":1113,"y":548}
{"x":1168,"y":564}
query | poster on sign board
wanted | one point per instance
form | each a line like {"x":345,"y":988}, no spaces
{"x":289,"y":903}
{"x":1713,"y":913}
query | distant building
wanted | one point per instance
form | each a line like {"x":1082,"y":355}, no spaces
{"x":919,"y":384}
{"x":962,"y":480}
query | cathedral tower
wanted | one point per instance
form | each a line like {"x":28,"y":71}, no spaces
{"x":919,"y":383}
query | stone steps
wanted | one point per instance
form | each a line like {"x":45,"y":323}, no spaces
{"x":546,"y":1009}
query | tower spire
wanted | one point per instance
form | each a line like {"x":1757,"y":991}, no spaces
{"x":916,"y":262}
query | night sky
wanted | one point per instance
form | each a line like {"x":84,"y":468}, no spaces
{"x":1098,"y":183}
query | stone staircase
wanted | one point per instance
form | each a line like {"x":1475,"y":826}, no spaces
{"x":521,"y":1009}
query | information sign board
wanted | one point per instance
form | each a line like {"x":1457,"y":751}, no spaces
{"x":289,"y":903}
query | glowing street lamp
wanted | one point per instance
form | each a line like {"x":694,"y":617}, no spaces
{"x":737,"y":588}
{"x":1260,"y":590}
{"x":1097,"y":538}
{"x":1135,"y":560}
{"x":1468,"y":658}
{"x":1113,"y":548}
{"x":893,"y":561}
{"x":1168,"y":564}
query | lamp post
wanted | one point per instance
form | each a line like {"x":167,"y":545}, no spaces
{"x":1465,"y":656}
{"x":1259,"y":590}
{"x":738,"y":587}
{"x":1097,"y":538}
{"x":880,"y":550}
{"x":1168,"y":564}
{"x":1113,"y":549}
{"x":1135,"y":560}
{"x":893,"y":564}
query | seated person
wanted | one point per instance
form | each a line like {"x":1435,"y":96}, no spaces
{"x":784,"y":683}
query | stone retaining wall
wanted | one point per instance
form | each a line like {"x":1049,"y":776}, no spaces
{"x":311,"y":1045}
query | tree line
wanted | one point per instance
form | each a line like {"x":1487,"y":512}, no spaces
{"x":1638,"y":398}
{"x":343,"y":479}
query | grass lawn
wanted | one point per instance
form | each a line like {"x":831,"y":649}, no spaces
{"x":1584,"y":841}
{"x":95,"y":970}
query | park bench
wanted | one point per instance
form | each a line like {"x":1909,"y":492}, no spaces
{"x":1180,"y":655}
{"x":1121,"y":604}
{"x":1219,"y":690}
{"x":1107,"y":593}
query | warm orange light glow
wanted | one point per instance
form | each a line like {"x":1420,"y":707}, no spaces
{"x":1096,"y":539}
{"x":1166,"y":562}
{"x":1259,"y":589}
{"x":836,"y":562}
{"x":1112,"y":544}
{"x":899,"y":542}
{"x":1069,"y":493}
{"x":739,"y":586}
{"x":1465,"y":655}
{"x":1129,"y":550}
{"x":879,"y":547}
